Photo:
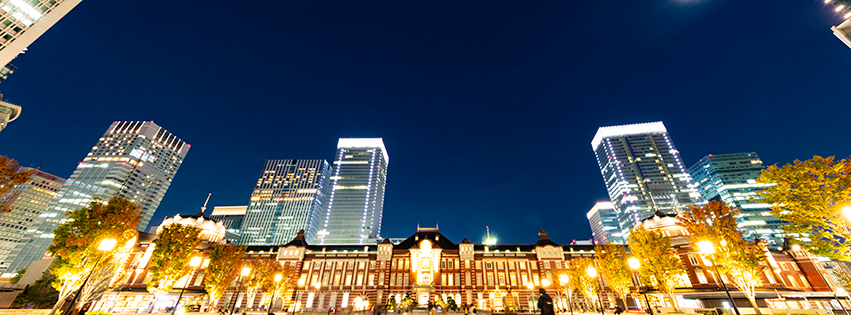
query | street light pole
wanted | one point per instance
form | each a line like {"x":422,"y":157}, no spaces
{"x":592,"y":272}
{"x":564,"y":280}
{"x":707,"y":248}
{"x":195,"y":262}
{"x":274,"y":293}
{"x":245,"y":272}
{"x":104,"y":246}
{"x":634,"y":264}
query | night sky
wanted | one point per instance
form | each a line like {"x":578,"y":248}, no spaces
{"x":487,"y":108}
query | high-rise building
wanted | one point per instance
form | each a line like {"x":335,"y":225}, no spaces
{"x":30,"y":200}
{"x":231,"y":218}
{"x":8,"y":112}
{"x":136,"y":160}
{"x":731,"y":178}
{"x":23,"y":22}
{"x":604,"y":223}
{"x":288,"y":196}
{"x":841,"y":31}
{"x":643,"y":172}
{"x":356,"y":194}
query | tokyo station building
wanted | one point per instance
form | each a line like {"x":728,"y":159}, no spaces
{"x":427,"y":265}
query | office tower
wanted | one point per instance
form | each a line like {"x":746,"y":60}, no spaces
{"x":23,"y":22}
{"x":841,"y":31}
{"x":289,"y":193}
{"x":30,"y":200}
{"x":604,"y":223}
{"x":8,"y":112}
{"x":356,"y":195}
{"x":731,"y":178}
{"x":136,"y":160}
{"x":643,"y":172}
{"x":231,"y":217}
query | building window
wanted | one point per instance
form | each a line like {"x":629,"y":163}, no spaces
{"x":701,"y":277}
{"x":489,"y":265}
{"x":490,"y":278}
{"x":795,"y":266}
{"x":804,"y":281}
{"x":792,"y":281}
{"x":784,"y":266}
{"x":769,"y":276}
{"x":693,"y":260}
{"x":443,"y":264}
{"x":501,"y":278}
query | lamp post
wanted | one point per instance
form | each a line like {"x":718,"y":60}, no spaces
{"x":245,"y":272}
{"x":634,"y":264}
{"x":195,"y":262}
{"x":565,"y":280}
{"x":592,"y":272}
{"x":708,"y":249}
{"x":105,"y":245}
{"x":274,"y":293}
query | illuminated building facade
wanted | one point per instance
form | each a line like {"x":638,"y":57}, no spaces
{"x":23,"y":21}
{"x":356,"y":193}
{"x":231,"y":218}
{"x":30,"y":200}
{"x":643,"y":172}
{"x":136,"y":160}
{"x":842,"y":31}
{"x":8,"y":112}
{"x":731,"y":178}
{"x":289,"y":196}
{"x":604,"y":224}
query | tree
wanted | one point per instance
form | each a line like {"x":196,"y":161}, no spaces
{"x":18,"y":276}
{"x":843,"y":276}
{"x":391,"y":303}
{"x":11,"y":175}
{"x":564,"y":282}
{"x":262,"y":276}
{"x":225,"y":260}
{"x":75,"y":242}
{"x":612,"y":261}
{"x":39,"y":295}
{"x":451,"y":304}
{"x":735,"y":256}
{"x":661,"y":267}
{"x":407,"y":302}
{"x":811,"y":195}
{"x":288,"y":281}
{"x":173,"y":250}
{"x":586,"y":284}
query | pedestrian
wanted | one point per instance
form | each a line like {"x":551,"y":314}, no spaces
{"x":545,"y":303}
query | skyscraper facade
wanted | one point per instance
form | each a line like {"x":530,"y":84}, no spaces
{"x":643,"y":172}
{"x":289,"y":193}
{"x":29,"y":202}
{"x":23,"y":21}
{"x":231,"y":218}
{"x":136,"y":160}
{"x":731,"y":178}
{"x":8,"y":112}
{"x":356,"y":194}
{"x":604,"y":224}
{"x":843,"y":30}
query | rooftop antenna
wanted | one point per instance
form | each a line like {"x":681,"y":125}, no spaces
{"x":204,"y":207}
{"x":489,"y":231}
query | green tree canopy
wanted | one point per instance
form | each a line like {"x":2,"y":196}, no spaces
{"x":170,"y":261}
{"x":811,"y":196}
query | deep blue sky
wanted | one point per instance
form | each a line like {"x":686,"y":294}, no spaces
{"x":487,"y":107}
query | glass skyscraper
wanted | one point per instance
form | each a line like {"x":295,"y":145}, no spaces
{"x":23,"y":21}
{"x":29,"y":202}
{"x":136,"y":160}
{"x":288,"y":195}
{"x":356,"y":195}
{"x":643,"y":172}
{"x":604,"y":224}
{"x":8,"y":112}
{"x":731,"y":178}
{"x":231,"y":217}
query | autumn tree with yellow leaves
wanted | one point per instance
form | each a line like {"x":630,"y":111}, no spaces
{"x":660,"y":265}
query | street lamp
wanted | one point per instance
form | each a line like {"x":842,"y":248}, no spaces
{"x":245,"y":272}
{"x":195,"y":262}
{"x":274,"y":293}
{"x":634,"y":264}
{"x":846,"y":211}
{"x":105,"y":245}
{"x":708,"y":249}
{"x":564,"y":280}
{"x":592,"y":272}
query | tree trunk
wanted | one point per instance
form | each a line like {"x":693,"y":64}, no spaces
{"x":753,"y":303}
{"x":673,"y":300}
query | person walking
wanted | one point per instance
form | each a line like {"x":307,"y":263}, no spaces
{"x":545,"y":303}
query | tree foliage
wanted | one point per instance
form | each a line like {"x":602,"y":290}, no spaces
{"x":842,"y":274}
{"x":11,"y":175}
{"x":225,"y":260}
{"x":18,"y":276}
{"x":75,"y":242}
{"x":173,"y":250}
{"x":810,"y":195}
{"x":661,"y":267}
{"x":612,"y":259}
{"x":262,"y":276}
{"x":288,"y":281}
{"x":739,"y":258}
{"x":586,"y":284}
{"x":39,"y":295}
